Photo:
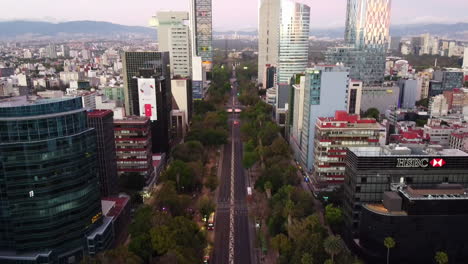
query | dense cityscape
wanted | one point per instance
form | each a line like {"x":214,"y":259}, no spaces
{"x":177,"y":143}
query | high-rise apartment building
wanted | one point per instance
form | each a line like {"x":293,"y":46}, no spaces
{"x":49,"y":188}
{"x":133,"y":143}
{"x":293,"y":40}
{"x":103,"y":123}
{"x":51,"y":51}
{"x":268,"y":38}
{"x":133,"y":63}
{"x":465,"y":58}
{"x":354,"y":97}
{"x":202,"y":33}
{"x":174,"y":37}
{"x":366,"y":38}
{"x":333,"y":136}
{"x":319,"y":93}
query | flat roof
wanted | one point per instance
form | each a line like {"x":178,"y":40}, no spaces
{"x":17,"y":101}
{"x":397,"y":151}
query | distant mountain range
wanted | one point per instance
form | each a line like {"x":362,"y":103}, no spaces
{"x":15,"y":29}
{"x":12,"y":29}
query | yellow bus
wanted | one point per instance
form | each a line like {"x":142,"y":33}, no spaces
{"x":211,"y":221}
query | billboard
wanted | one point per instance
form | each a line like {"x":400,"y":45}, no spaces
{"x":147,"y":98}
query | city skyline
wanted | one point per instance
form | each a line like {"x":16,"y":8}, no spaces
{"x":228,"y":17}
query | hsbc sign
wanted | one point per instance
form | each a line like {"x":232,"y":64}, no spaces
{"x":420,"y":163}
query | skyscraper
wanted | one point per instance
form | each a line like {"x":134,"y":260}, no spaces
{"x":49,"y":191}
{"x":133,"y":62}
{"x":174,"y":37}
{"x":268,"y":37}
{"x":293,"y":40}
{"x":366,"y":40}
{"x":201,"y":30}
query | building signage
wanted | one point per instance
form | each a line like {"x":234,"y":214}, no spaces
{"x":419,"y":163}
{"x":147,"y":98}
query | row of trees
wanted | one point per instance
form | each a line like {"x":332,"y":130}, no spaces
{"x":295,"y":229}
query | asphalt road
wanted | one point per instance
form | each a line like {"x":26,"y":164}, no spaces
{"x":241,"y":234}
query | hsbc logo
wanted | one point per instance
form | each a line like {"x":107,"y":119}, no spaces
{"x":420,"y":163}
{"x":437,"y":163}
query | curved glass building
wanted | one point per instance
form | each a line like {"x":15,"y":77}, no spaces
{"x":49,"y":189}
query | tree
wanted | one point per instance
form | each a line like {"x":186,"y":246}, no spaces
{"x":372,"y":113}
{"x":212,"y":182}
{"x":333,"y":246}
{"x":281,"y":244}
{"x":161,"y":240}
{"x":333,"y":215}
{"x":389,"y":243}
{"x":250,"y":158}
{"x":423,"y":102}
{"x":189,"y":151}
{"x":183,"y":176}
{"x":307,"y":259}
{"x":441,"y":257}
{"x":329,"y":261}
{"x":268,"y":186}
{"x":121,"y":255}
{"x":206,"y":206}
{"x":141,"y":246}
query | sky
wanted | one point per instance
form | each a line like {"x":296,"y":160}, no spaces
{"x":227,"y":14}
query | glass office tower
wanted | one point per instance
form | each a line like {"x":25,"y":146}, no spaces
{"x":49,"y":189}
{"x":293,"y":40}
{"x":366,"y":40}
{"x":201,"y":14}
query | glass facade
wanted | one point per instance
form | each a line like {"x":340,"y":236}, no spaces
{"x":202,"y":28}
{"x":371,"y":171}
{"x":293,"y":40}
{"x":366,"y":36}
{"x":49,"y":189}
{"x":133,"y":63}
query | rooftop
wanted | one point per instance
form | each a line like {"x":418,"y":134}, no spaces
{"x":99,"y":113}
{"x":132,"y":120}
{"x":437,"y":192}
{"x":398,"y":151}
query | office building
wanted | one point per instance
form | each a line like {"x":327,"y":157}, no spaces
{"x":133,"y":144}
{"x":449,"y":79}
{"x":354,"y":97}
{"x":293,"y":40}
{"x":268,"y":38}
{"x":395,"y":43}
{"x":201,"y":14}
{"x":319,"y":93}
{"x":333,"y":136}
{"x":51,"y":51}
{"x":155,"y":102}
{"x":409,"y":94}
{"x":366,"y":40}
{"x":50,"y":198}
{"x":115,"y":94}
{"x":174,"y":37}
{"x":103,"y":123}
{"x":372,"y":171}
{"x":420,"y":218}
{"x":380,"y":97}
{"x":182,"y":94}
{"x":459,"y":140}
{"x":424,"y":79}
{"x":438,"y":106}
{"x":133,"y":62}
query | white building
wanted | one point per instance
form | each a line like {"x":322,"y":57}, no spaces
{"x":465,"y":58}
{"x":268,"y":36}
{"x":182,"y":97}
{"x":174,"y":37}
{"x":438,"y":106}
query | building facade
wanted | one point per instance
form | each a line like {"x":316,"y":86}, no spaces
{"x":367,"y":36}
{"x":293,"y":40}
{"x":268,"y":38}
{"x":133,"y":63}
{"x":371,"y":171}
{"x":321,"y":91}
{"x":133,"y":144}
{"x":103,"y":123}
{"x":201,"y":15}
{"x":50,"y":198}
{"x":174,"y":37}
{"x":333,"y":136}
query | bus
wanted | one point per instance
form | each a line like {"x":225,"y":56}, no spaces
{"x":211,"y":221}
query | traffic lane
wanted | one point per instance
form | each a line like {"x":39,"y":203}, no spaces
{"x":221,"y":247}
{"x":225,"y":184}
{"x":242,"y":244}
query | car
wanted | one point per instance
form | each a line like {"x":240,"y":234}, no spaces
{"x":236,"y":122}
{"x":307,"y":179}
